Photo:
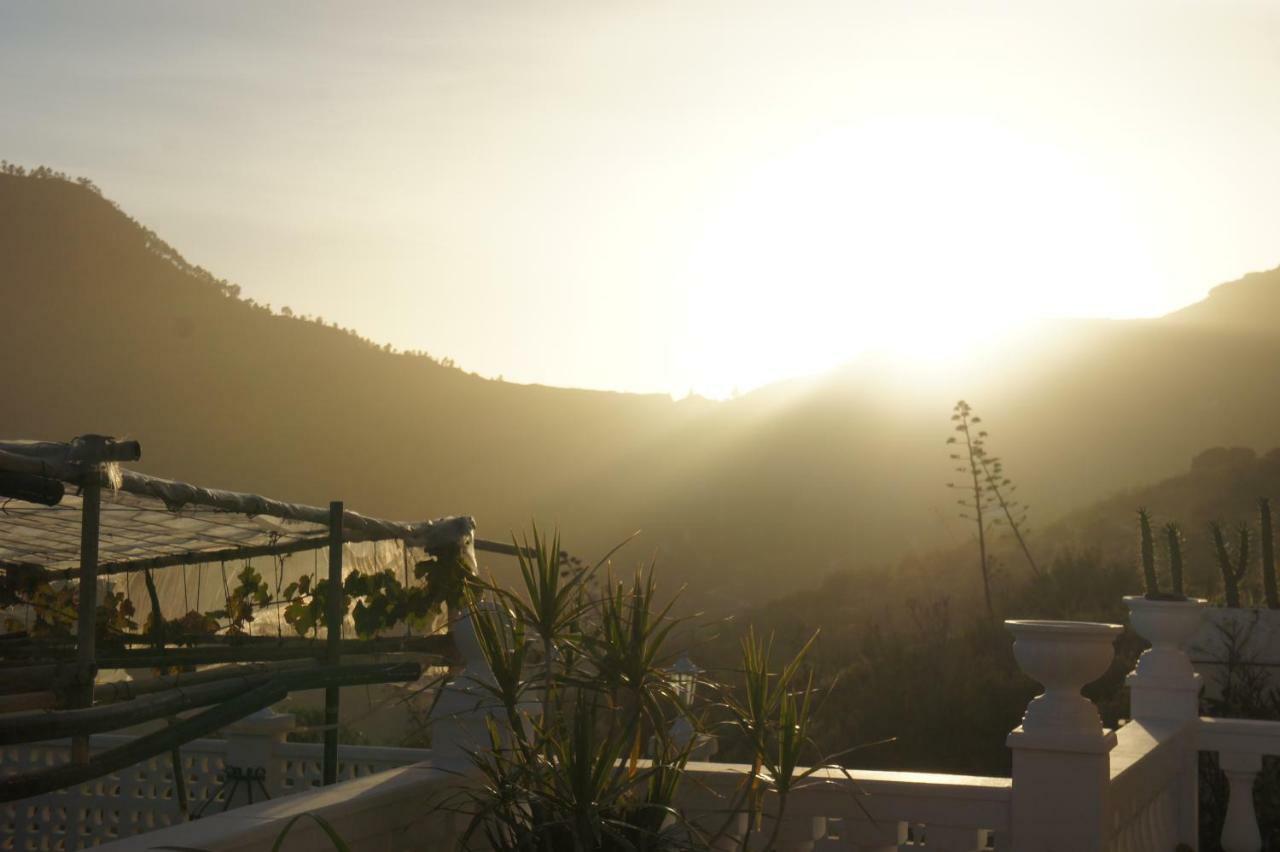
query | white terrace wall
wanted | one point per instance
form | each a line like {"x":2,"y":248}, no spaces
{"x":144,"y":798}
{"x":1076,"y":787}
{"x":1255,"y":635}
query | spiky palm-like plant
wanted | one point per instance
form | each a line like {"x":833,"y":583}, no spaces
{"x":571,"y":777}
{"x":772,"y":711}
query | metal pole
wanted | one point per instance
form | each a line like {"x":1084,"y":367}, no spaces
{"x":86,"y":668}
{"x":337,"y":609}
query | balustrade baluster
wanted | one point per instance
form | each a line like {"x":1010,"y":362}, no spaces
{"x":728,"y":833}
{"x":882,"y":836}
{"x":1240,"y":829}
{"x":798,"y":832}
{"x":945,"y":838}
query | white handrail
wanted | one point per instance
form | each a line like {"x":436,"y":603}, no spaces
{"x":863,"y":808}
{"x":393,"y":811}
{"x":1146,"y":782}
{"x":1241,"y":744}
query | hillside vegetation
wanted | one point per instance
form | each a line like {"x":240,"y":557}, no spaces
{"x":905,"y":651}
{"x":108,"y":330}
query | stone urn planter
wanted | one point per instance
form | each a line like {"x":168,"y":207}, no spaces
{"x":1169,"y":626}
{"x":1164,"y":684}
{"x":1063,"y":656}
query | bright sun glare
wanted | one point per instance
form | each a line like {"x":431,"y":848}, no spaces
{"x":904,"y":237}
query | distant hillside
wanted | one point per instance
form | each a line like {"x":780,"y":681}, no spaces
{"x":1222,"y":484}
{"x":945,"y":685}
{"x":108,"y":330}
{"x":1250,"y":304}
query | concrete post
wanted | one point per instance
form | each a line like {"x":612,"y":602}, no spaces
{"x":252,"y":765}
{"x":1165,"y":687}
{"x":1061,"y":766}
{"x":1240,"y":826}
{"x":459,"y":719}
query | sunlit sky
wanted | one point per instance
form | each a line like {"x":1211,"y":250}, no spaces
{"x":668,"y":196}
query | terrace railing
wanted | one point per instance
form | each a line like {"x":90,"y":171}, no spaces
{"x":856,"y":810}
{"x":145,"y":797}
{"x":1240,"y":745}
{"x":1075,"y":786}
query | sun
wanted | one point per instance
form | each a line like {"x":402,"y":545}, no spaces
{"x":909,"y":237}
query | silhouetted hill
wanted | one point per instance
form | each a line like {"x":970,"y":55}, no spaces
{"x":108,"y":330}
{"x":1250,"y":304}
{"x":1222,"y":484}
{"x":945,"y":683}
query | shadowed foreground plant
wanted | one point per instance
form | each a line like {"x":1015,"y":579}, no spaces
{"x":625,"y":653}
{"x":571,"y":777}
{"x":774,"y":712}
{"x":598,"y":768}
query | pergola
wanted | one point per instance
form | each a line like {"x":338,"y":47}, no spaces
{"x":70,"y":512}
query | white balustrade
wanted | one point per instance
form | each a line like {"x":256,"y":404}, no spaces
{"x":1061,"y":764}
{"x":1146,"y":785}
{"x":143,"y":798}
{"x":1240,"y":826}
{"x":1164,"y":697}
{"x":856,"y":810}
{"x":1164,"y":684}
{"x":120,"y":804}
{"x":399,"y":810}
{"x":1076,"y":786}
{"x":1241,"y":744}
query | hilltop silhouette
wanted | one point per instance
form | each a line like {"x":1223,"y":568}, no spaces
{"x":107,"y":329}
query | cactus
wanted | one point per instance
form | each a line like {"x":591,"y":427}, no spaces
{"x":1174,"y":535}
{"x":1268,"y":554}
{"x":1147,"y":548}
{"x":1231,"y":574}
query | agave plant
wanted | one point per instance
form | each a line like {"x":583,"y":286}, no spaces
{"x":626,"y":652}
{"x":596,"y":768}
{"x":772,"y":710}
{"x":572,"y":775}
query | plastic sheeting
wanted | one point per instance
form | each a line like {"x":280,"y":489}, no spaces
{"x":147,"y":517}
{"x":134,"y":527}
{"x":201,"y":587}
{"x":152,"y":516}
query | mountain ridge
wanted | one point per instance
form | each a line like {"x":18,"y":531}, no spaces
{"x":830,"y":472}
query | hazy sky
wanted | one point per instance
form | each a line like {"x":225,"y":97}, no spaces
{"x":659,"y":196}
